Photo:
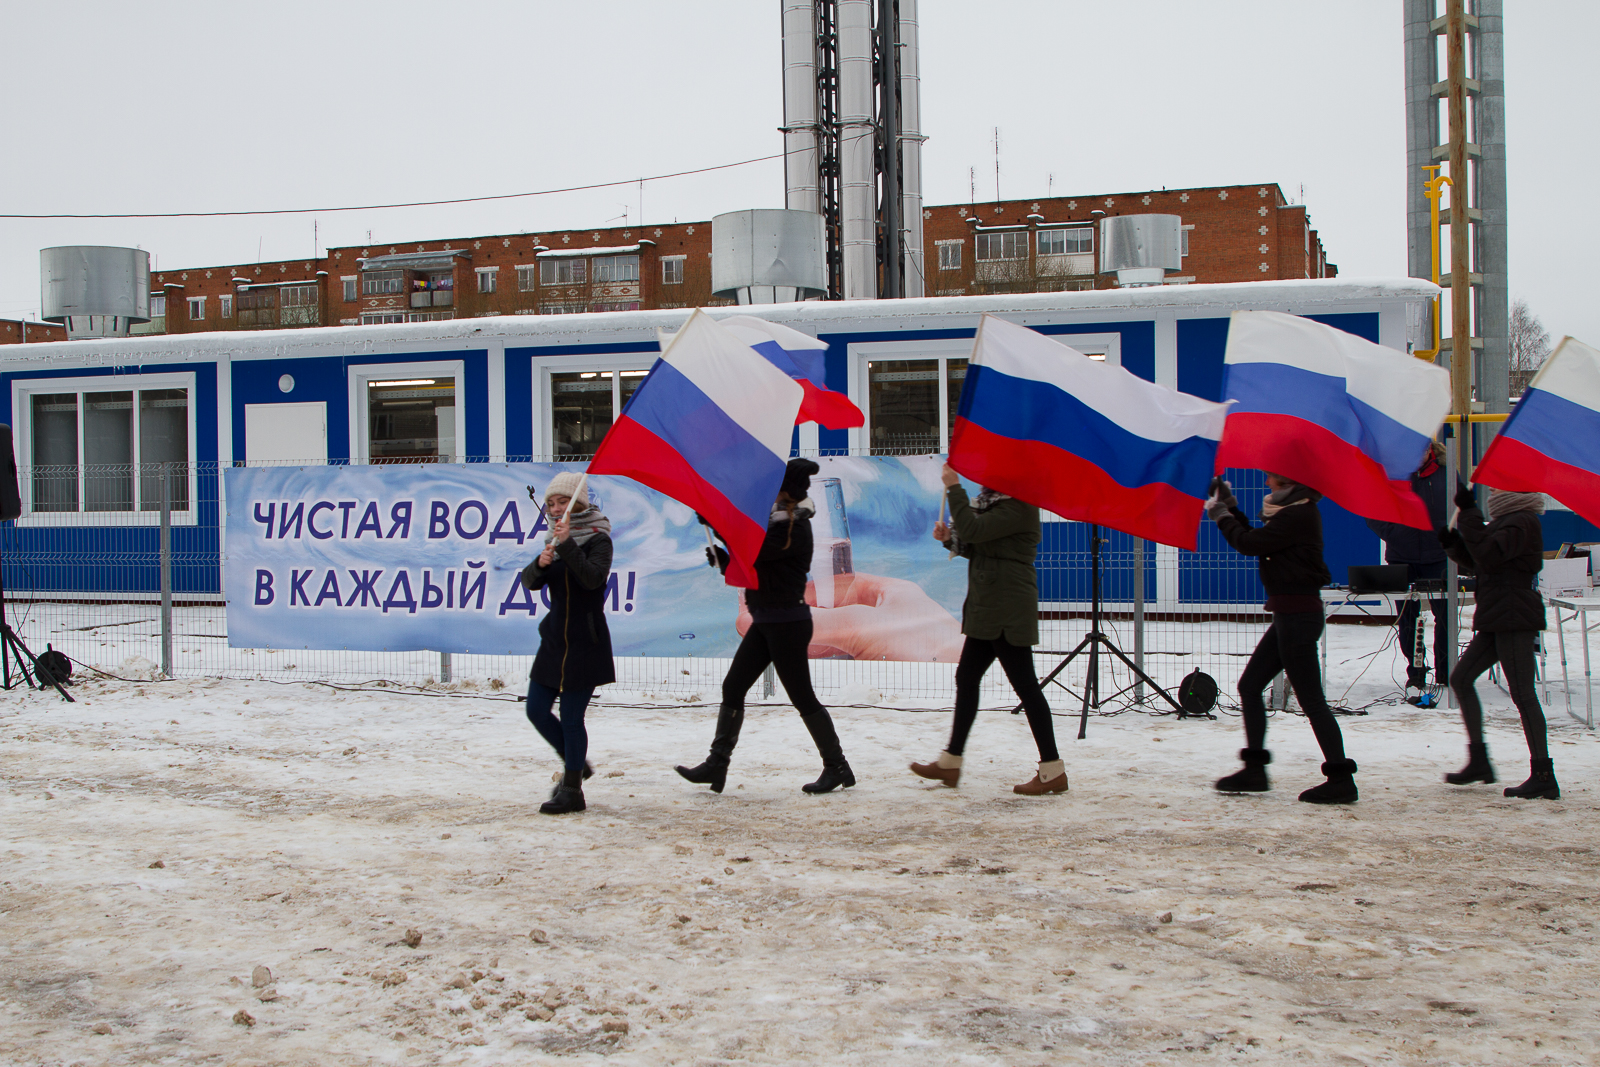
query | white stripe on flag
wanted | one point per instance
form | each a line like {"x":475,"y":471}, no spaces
{"x":1572,"y":372}
{"x":1143,"y":408}
{"x":750,"y":390}
{"x":1413,"y":393}
{"x":753,"y":331}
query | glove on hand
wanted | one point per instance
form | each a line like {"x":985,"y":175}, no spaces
{"x":1465,"y":498}
{"x":1222,"y":499}
{"x":717,"y":558}
{"x":1449,"y":538}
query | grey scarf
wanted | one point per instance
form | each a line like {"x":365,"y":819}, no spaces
{"x":1505,"y":502}
{"x":583,"y":525}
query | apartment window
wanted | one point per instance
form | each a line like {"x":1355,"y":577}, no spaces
{"x":103,"y":451}
{"x":950,"y":255}
{"x":1184,"y":239}
{"x":350,"y":281}
{"x":672,"y":270}
{"x":563,"y":309}
{"x":616,"y":270}
{"x":379,"y":318}
{"x":904,"y":400}
{"x":383,"y":282}
{"x":584,"y":404}
{"x":527,"y":278}
{"x":563,"y":271}
{"x":1073,"y":241}
{"x":488,"y":279}
{"x":299,"y":304}
{"x":225,"y":305}
{"x":429,"y":316}
{"x":615,"y":305}
{"x":158,"y":305}
{"x":1013,"y":244}
{"x":411,"y":420}
{"x":197,"y":308}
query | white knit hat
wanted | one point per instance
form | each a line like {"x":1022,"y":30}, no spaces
{"x":565,"y":484}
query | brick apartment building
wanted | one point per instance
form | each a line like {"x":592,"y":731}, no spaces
{"x":1231,"y":234}
{"x":18,"y":331}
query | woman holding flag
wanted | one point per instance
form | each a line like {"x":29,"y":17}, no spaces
{"x":574,"y":642}
{"x":1288,"y":544}
{"x":999,"y":535}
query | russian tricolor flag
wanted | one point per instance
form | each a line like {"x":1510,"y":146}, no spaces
{"x":1046,"y":424}
{"x":803,"y":359}
{"x":1349,"y":418}
{"x":1551,"y":443}
{"x":710,"y":427}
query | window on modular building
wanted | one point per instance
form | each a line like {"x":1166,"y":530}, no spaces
{"x":583,"y":405}
{"x":299,"y":304}
{"x":197,"y":307}
{"x":956,"y":374}
{"x":225,"y":305}
{"x":158,"y":305}
{"x":950,"y":255}
{"x":54,"y":420}
{"x":488,"y":280}
{"x":616,"y":270}
{"x":349,"y":288}
{"x":163,"y":439}
{"x":672,"y":270}
{"x":411,"y":420}
{"x":904,"y":398}
{"x":563,"y":271}
{"x":1012,"y":244}
{"x":383,"y":282}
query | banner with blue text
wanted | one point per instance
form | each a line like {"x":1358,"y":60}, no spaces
{"x":405,"y":558}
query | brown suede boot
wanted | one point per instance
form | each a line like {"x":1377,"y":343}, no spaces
{"x":946,"y":769}
{"x":1052,"y":778}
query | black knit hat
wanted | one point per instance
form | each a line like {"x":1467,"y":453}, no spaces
{"x":797,"y":478}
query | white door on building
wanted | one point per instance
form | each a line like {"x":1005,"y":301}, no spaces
{"x":285,"y":433}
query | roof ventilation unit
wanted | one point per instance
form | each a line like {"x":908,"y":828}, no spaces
{"x":768,"y":256}
{"x":94,"y":290}
{"x":1140,"y":249}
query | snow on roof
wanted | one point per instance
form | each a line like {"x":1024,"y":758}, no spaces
{"x":822,"y":317}
{"x":609,"y":250}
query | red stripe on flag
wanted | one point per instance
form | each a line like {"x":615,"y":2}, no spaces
{"x":631,"y":450}
{"x":1072,"y":487}
{"x":1316,"y":457}
{"x":831,"y":409}
{"x":1511,"y":464}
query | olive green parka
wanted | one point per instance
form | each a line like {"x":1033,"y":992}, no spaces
{"x":1000,"y":544}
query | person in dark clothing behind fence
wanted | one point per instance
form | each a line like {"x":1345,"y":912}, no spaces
{"x":999,"y":536}
{"x":574,"y":653}
{"x":1289,"y":546}
{"x":1423,"y":557}
{"x":1505,"y":554}
{"x":779,"y":634}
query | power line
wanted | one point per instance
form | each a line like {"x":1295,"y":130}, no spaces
{"x":415,"y":203}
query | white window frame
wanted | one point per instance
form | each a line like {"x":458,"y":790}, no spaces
{"x":1020,"y":237}
{"x":351,"y":286}
{"x":158,"y":305}
{"x":527,"y":277}
{"x":861,"y":353}
{"x":668,"y":262}
{"x":1183,"y":250}
{"x":556,"y":267}
{"x":22,"y":392}
{"x":381,"y":318}
{"x":544,"y":417}
{"x":197,"y":303}
{"x":225,"y":306}
{"x":361,"y":374}
{"x":953,"y":245}
{"x":490,"y":277}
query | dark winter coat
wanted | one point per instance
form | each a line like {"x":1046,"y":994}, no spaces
{"x":574,"y":641}
{"x":1506,"y":555}
{"x":1288,"y":545}
{"x":781,"y":571}
{"x":1000,"y":544}
{"x":1407,"y":544}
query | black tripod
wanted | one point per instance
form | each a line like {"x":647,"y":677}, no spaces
{"x":27,"y":665}
{"x":1092,"y":641}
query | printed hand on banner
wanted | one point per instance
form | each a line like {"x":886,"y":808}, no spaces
{"x":878,"y":618}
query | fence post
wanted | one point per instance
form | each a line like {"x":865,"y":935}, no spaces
{"x":1138,"y":615}
{"x":768,"y":682}
{"x":1452,"y":583}
{"x":444,"y":666}
{"x":166,"y":569}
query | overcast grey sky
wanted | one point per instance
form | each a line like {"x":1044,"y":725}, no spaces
{"x":116,"y":107}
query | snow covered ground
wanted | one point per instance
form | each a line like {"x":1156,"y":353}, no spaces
{"x":168,"y":844}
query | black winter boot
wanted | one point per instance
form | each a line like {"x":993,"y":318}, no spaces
{"x":714,"y":771}
{"x":835,"y":771}
{"x":1478,"y":768}
{"x":1340,"y":788}
{"x":568,"y":797}
{"x":1253,"y":778}
{"x":1541,"y":784}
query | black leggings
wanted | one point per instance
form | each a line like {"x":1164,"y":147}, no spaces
{"x":977,"y":656}
{"x":1514,"y":650}
{"x":782,"y":644}
{"x":1290,"y":646}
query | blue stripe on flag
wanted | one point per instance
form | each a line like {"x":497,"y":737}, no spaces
{"x":1027,"y":410}
{"x":810,"y":363}
{"x":1563,"y":430}
{"x":1279,"y":389}
{"x":721,"y":451}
